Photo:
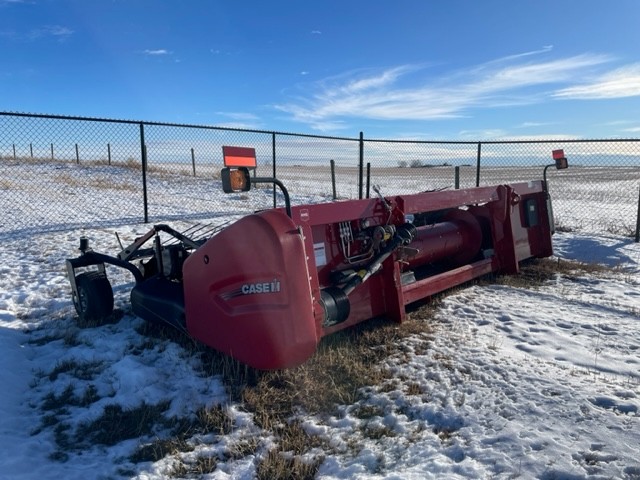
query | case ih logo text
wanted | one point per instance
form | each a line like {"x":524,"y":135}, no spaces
{"x":253,"y":288}
{"x":265,"y":287}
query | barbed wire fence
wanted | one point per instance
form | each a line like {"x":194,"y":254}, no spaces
{"x":60,"y":173}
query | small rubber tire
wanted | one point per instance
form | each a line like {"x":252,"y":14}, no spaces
{"x":94,"y":303}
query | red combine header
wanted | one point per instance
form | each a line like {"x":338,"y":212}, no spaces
{"x":268,"y":287}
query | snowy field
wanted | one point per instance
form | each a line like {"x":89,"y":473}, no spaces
{"x":515,"y":381}
{"x":38,"y":195}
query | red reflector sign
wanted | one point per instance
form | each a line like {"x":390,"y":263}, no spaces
{"x":558,"y":154}
{"x":239,"y":157}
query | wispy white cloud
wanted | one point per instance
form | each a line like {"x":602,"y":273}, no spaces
{"x":407,"y":92}
{"x":632,"y":130}
{"x":54,"y":31}
{"x":158,"y":52}
{"x":487,"y":134}
{"x":517,"y":56}
{"x":238,"y":125}
{"x":241,"y":120}
{"x":620,"y":83}
{"x":58,"y":32}
{"x":316,"y":32}
{"x":534,"y":124}
{"x":504,"y":136}
{"x":614,"y":123}
{"x":542,"y":136}
{"x":533,"y":74}
{"x":244,"y":116}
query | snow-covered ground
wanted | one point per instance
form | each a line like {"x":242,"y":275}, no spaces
{"x":539,"y":382}
{"x":517,"y":383}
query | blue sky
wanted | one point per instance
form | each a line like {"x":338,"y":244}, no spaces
{"x":433,"y":69}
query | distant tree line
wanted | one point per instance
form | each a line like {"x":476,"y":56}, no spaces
{"x":420,"y":164}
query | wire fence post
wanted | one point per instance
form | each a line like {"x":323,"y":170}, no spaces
{"x":193,"y":161}
{"x":31,"y":150}
{"x":52,"y":152}
{"x":478,"y":164}
{"x":143,"y":156}
{"x":332,"y":163}
{"x":109,"y":153}
{"x":273,"y":163}
{"x":361,"y":166}
{"x":14,"y":153}
{"x":77,"y":154}
{"x":638,"y":219}
{"x":368,"y":178}
{"x":456,"y":177}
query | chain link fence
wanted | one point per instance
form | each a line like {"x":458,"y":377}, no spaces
{"x":60,"y":173}
{"x":599,"y":192}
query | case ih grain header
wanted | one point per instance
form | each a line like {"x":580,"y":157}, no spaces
{"x":268,"y":287}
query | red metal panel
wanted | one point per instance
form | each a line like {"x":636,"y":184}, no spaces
{"x":247,"y":293}
{"x":393,"y":293}
{"x":530,"y":241}
{"x":367,"y":301}
{"x":432,"y":201}
{"x":330,"y":213}
{"x":438,"y":283}
{"x":503,"y":231}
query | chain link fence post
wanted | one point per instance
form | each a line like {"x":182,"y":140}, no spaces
{"x":273,"y":162}
{"x":638,"y":218}
{"x":143,"y":157}
{"x":361,"y":166}
{"x":478,"y":164}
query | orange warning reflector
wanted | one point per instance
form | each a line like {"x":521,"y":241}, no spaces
{"x":235,"y":179}
{"x":238,"y":180}
{"x":239,"y":157}
{"x":560,"y":159}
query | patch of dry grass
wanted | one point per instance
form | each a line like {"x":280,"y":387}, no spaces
{"x":101,"y":182}
{"x":344,"y":363}
{"x":275,"y":466}
{"x":537,"y":272}
{"x":117,"y":424}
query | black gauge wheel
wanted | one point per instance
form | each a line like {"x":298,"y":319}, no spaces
{"x":94,"y":302}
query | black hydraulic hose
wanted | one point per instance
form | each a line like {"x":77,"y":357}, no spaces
{"x":405,"y":234}
{"x":335,"y":301}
